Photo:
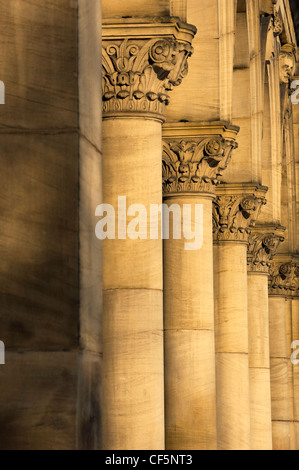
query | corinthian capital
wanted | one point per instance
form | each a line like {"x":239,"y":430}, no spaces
{"x":195,"y":156}
{"x":235,"y":211}
{"x":284,"y":278}
{"x":262,"y":247}
{"x":141,"y":65}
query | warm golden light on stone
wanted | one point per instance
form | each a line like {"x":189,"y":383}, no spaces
{"x":149,"y":227}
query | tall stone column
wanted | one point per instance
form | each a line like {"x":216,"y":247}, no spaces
{"x":295,"y":366}
{"x":262,"y":246}
{"x":289,"y":333}
{"x":194,"y":155}
{"x":283,"y":285}
{"x":141,"y":64}
{"x":235,"y":211}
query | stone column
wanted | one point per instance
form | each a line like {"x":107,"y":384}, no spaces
{"x":194,"y":155}
{"x":283,"y":285}
{"x":295,"y":366}
{"x":289,"y":326}
{"x":141,"y":64}
{"x":261,"y":249}
{"x":235,"y":210}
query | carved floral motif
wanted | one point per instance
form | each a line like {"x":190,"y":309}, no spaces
{"x":138,"y":74}
{"x":195,"y":165}
{"x":284,"y":279}
{"x":234,"y":216}
{"x":261,"y":249}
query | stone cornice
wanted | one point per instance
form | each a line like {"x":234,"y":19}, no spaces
{"x":284,"y":276}
{"x":195,"y":155}
{"x":235,"y":211}
{"x":141,"y":63}
{"x":263,"y":244}
{"x":150,"y":27}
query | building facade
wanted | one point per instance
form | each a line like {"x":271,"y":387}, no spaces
{"x":140,"y":342}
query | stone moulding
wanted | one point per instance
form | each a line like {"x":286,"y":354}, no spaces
{"x":236,"y":210}
{"x":141,"y":64}
{"x":262,"y":247}
{"x":284,"y":277}
{"x":195,"y":156}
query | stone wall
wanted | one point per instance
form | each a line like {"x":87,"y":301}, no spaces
{"x":50,"y":160}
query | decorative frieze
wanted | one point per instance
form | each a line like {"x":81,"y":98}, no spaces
{"x":235,"y":212}
{"x":261,"y":249}
{"x":195,"y":156}
{"x":139,"y":72}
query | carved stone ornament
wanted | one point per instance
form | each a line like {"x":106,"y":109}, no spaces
{"x":277,"y":23}
{"x":235,"y":215}
{"x":138,"y":74}
{"x":261,"y":249}
{"x":195,"y":165}
{"x":287,"y":63}
{"x":195,"y":154}
{"x":284,"y":279}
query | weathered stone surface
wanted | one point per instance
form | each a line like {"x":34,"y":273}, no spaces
{"x":190,"y":390}
{"x":89,"y":70}
{"x":90,"y":174}
{"x":51,"y":262}
{"x":38,"y":62}
{"x":89,"y":413}
{"x":133,"y":8}
{"x":90,"y":248}
{"x":39,"y":249}
{"x":205,"y":99}
{"x":133,"y":383}
{"x":38,"y":402}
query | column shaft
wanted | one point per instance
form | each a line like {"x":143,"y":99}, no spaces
{"x":279,"y":373}
{"x":140,"y":68}
{"x":190,"y":393}
{"x":133,"y":391}
{"x":289,"y":333}
{"x":194,"y":155}
{"x":295,"y":367}
{"x":259,"y":364}
{"x":231,"y":333}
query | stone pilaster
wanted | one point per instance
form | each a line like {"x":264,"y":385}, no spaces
{"x":194,"y":156}
{"x":263,"y":244}
{"x":142,"y":62}
{"x":235,"y":212}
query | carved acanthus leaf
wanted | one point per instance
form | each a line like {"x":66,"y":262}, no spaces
{"x":261,"y":249}
{"x":139,"y":73}
{"x":195,"y":165}
{"x":234,"y":216}
{"x":284,"y":279}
